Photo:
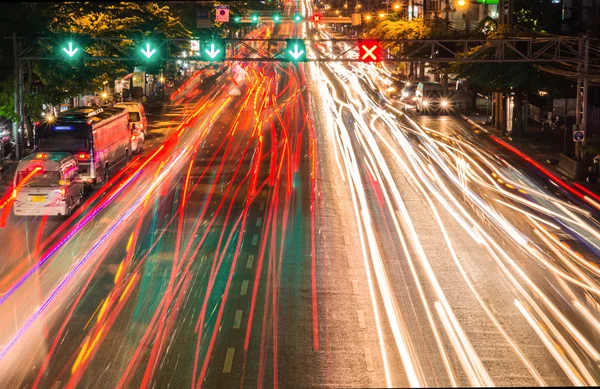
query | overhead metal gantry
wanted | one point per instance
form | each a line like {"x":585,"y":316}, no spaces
{"x":526,"y":49}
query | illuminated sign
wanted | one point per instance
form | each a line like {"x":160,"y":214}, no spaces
{"x":369,"y":50}
{"x":63,"y":128}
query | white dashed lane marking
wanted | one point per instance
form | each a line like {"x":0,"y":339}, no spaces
{"x":262,"y":206}
{"x":244,"y":288}
{"x":258,"y":222}
{"x":229,"y":360}
{"x":368,"y":358}
{"x":361,"y":319}
{"x":354,"y":287}
{"x":237,"y":321}
{"x":250,"y":261}
{"x":254,"y":240}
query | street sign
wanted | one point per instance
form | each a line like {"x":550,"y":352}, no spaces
{"x":316,"y":18}
{"x":295,"y":50}
{"x":222,"y":13}
{"x":369,"y":50}
{"x":298,"y":18}
{"x":356,"y":19}
{"x":213,"y":50}
{"x":202,"y":19}
{"x":578,"y":136}
{"x":71,"y":51}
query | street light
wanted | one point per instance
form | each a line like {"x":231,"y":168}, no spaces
{"x":396,"y":7}
{"x":368,"y":18}
{"x":381,"y":15}
{"x":461,"y":3}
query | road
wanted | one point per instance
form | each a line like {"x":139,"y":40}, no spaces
{"x":306,"y":232}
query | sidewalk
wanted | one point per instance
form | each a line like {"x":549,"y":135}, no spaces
{"x":537,"y":146}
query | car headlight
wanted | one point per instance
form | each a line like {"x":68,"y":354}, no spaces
{"x":404,"y":94}
{"x":414,"y":98}
{"x":445,"y":103}
{"x":425,"y":103}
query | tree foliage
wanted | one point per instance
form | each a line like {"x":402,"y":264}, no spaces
{"x":80,"y":22}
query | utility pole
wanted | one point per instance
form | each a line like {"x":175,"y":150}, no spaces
{"x":581,"y":100}
{"x":17,"y":100}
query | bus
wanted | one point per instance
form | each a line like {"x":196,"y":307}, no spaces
{"x":99,"y":138}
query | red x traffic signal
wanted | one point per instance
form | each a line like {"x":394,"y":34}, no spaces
{"x":316,"y":18}
{"x":369,"y":50}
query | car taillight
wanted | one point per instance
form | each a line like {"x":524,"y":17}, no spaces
{"x":83,"y":156}
{"x":62,"y":192}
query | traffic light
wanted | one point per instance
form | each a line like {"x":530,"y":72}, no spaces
{"x":212,"y":50}
{"x":369,"y":50}
{"x":254,"y":18}
{"x":276,"y":18}
{"x":295,"y":50}
{"x":147,"y":50}
{"x":237,"y":19}
{"x":297,"y":18}
{"x":70,"y":49}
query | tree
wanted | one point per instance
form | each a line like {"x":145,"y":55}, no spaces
{"x":79,"y":22}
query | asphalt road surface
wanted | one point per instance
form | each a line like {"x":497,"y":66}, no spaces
{"x":307,"y":231}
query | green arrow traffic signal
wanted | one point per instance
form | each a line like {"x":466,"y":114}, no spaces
{"x":297,"y":18}
{"x":213,"y":51}
{"x":295,"y":50}
{"x":276,"y":18}
{"x":237,"y":19}
{"x":147,"y":50}
{"x":254,"y":18}
{"x":71,"y":50}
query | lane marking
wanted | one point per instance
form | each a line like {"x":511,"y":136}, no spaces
{"x":229,"y":360}
{"x":204,"y":257}
{"x":250,"y":260}
{"x":361,"y":319}
{"x":350,"y":263}
{"x":262,"y":207}
{"x":57,"y":385}
{"x":258,"y":222}
{"x":254,"y":240}
{"x":238,"y":318}
{"x":264,"y":193}
{"x":244,"y":288}
{"x":354,"y":287}
{"x":368,"y":358}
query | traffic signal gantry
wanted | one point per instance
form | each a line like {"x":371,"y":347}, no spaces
{"x":552,"y":49}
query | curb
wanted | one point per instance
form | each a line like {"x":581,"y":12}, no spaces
{"x":479,"y":126}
